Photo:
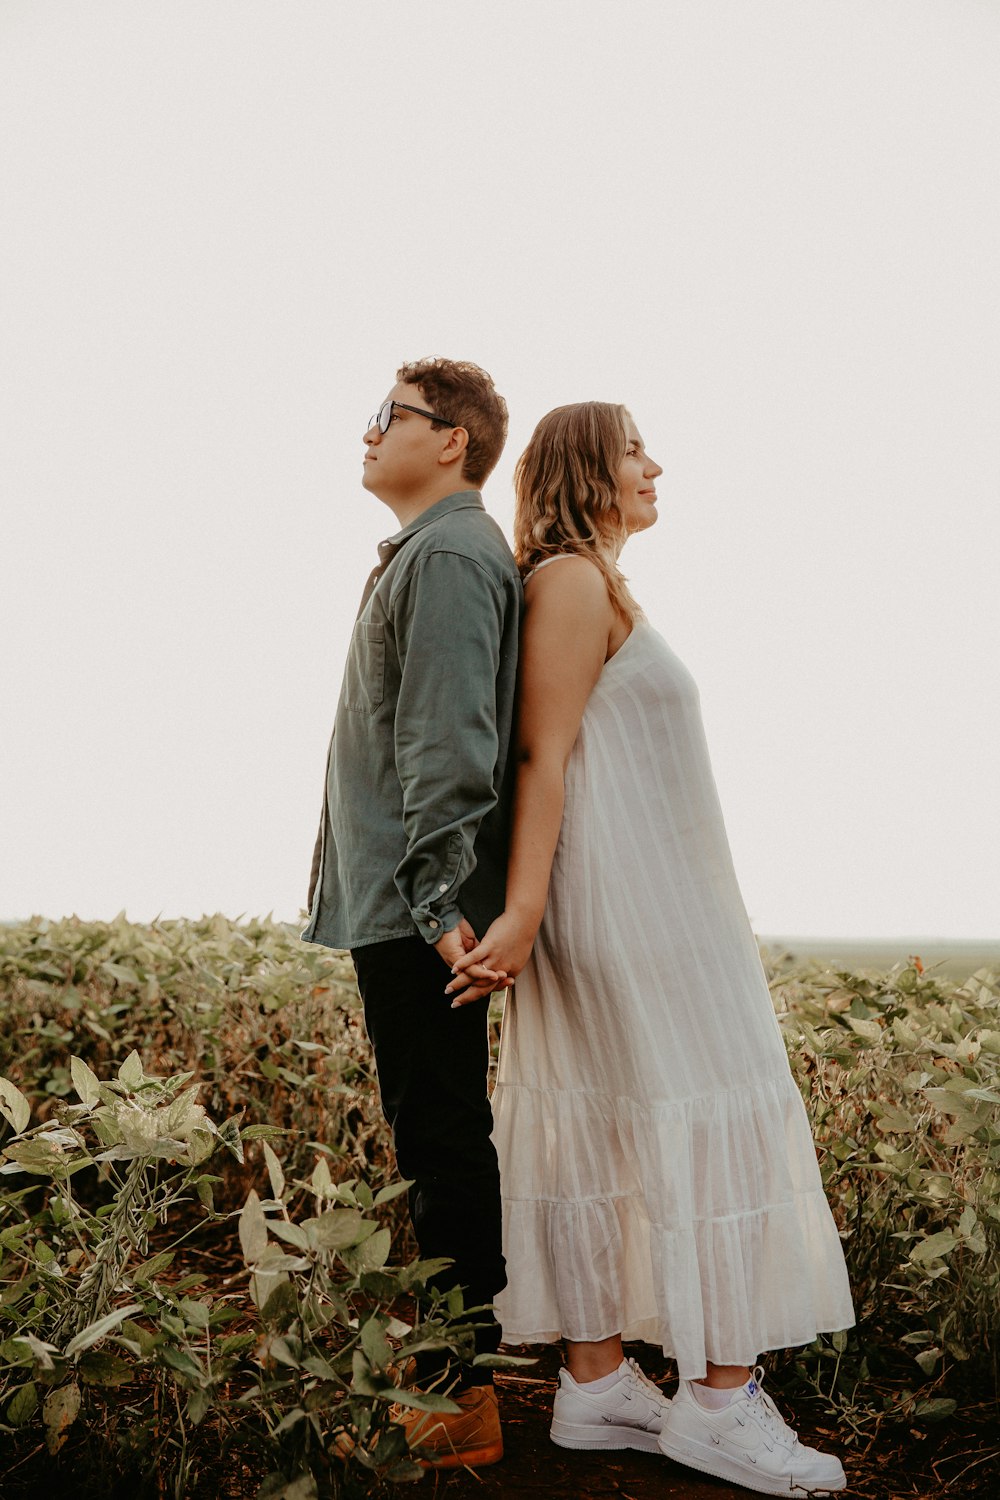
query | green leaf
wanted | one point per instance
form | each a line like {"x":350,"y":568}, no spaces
{"x":229,"y":1135}
{"x":90,"y":1335}
{"x":289,"y":1420}
{"x":371,"y":1254}
{"x":152,"y":1268}
{"x":375,"y":1344}
{"x":270,"y":1274}
{"x":59,"y":1413}
{"x":905,"y":1035}
{"x":292,"y":1234}
{"x":13,"y":1105}
{"x":274,"y":1172}
{"x":419,"y":1400}
{"x":237,"y":1342}
{"x":121,"y":973}
{"x":869,"y":1031}
{"x":281,"y":1305}
{"x":196,"y":1313}
{"x":502,"y":1361}
{"x":130,"y":1073}
{"x":419,"y":1272}
{"x":253,"y":1229}
{"x":100,"y":1368}
{"x":967,"y":1222}
{"x":934,"y":1247}
{"x":22,"y":1405}
{"x":262,"y":1133}
{"x":935,"y":1409}
{"x":40,"y":1158}
{"x":281,"y":1350}
{"x":362,"y":1379}
{"x":144,"y":1340}
{"x":392,"y":1444}
{"x":206,"y":1197}
{"x":390,"y":1191}
{"x":336,"y":1229}
{"x":321,"y":1181}
{"x":180,"y":1360}
{"x":891,"y":1117}
{"x":86,"y":1082}
{"x":403,"y":1471}
{"x":198,"y":1403}
{"x":26,"y":1349}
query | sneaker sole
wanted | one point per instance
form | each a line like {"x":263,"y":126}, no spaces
{"x":461,"y":1458}
{"x":584,"y":1435}
{"x":710,"y":1461}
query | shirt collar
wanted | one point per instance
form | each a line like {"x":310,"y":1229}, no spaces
{"x":460,"y":500}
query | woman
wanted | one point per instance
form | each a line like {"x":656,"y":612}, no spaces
{"x":659,"y":1176}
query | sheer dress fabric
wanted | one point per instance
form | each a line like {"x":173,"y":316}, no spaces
{"x":658,"y":1173}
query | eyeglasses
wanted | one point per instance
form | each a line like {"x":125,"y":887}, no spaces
{"x":383,"y":416}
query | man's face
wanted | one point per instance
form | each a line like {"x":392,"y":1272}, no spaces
{"x":404,"y":461}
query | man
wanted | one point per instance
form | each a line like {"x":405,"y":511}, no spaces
{"x":410,"y":863}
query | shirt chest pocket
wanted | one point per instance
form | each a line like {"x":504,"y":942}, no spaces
{"x":364,"y":674}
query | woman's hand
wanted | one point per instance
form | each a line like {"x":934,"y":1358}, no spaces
{"x":504,"y":950}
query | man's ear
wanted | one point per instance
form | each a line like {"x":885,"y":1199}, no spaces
{"x":455,"y":448}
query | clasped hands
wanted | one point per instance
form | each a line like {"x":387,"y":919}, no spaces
{"x":479,"y":968}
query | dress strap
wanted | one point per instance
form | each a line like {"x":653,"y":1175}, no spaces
{"x":556,"y":557}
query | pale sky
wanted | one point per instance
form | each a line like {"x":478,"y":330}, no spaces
{"x":772,"y":229}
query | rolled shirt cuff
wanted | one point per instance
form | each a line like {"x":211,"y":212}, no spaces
{"x":433,"y":922}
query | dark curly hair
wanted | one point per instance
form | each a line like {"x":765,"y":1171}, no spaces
{"x":466,"y":395}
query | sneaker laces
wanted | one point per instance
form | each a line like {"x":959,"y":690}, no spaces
{"x":643,"y":1379}
{"x":769,"y":1415}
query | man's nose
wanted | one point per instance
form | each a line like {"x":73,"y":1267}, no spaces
{"x":373,"y":435}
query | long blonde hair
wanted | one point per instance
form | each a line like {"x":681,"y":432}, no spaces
{"x":566,"y":493}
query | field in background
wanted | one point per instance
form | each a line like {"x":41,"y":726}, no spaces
{"x":954,"y":958}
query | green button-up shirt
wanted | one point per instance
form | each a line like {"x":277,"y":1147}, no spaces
{"x":419,"y":774}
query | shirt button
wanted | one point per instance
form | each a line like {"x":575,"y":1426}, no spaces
{"x":432,"y":922}
{"x":442,"y":887}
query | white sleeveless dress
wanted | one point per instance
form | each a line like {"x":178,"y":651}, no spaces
{"x":658,"y":1172}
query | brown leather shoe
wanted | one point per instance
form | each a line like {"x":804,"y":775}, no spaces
{"x":470,"y":1437}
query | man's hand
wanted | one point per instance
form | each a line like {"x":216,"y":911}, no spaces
{"x":481,"y":980}
{"x":504,"y":951}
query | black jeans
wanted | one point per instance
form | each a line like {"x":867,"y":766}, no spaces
{"x":432,"y":1063}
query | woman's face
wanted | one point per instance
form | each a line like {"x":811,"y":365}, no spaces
{"x":636,"y":484}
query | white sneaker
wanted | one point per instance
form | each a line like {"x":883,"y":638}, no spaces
{"x":747,"y":1442}
{"x":629,"y":1414}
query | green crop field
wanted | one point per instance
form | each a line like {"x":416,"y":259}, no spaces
{"x":205,"y":1274}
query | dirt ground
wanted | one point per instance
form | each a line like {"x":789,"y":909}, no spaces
{"x":917,"y":1469}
